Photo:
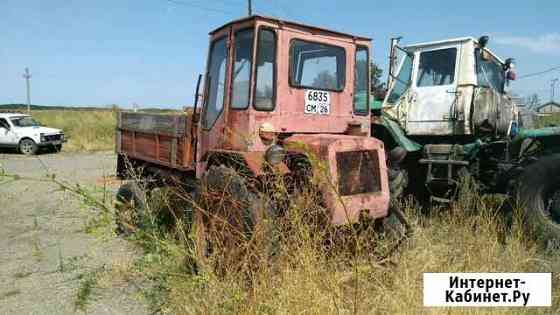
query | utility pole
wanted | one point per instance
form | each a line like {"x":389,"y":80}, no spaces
{"x":552,"y":88}
{"x":249,"y":7}
{"x":27,"y":76}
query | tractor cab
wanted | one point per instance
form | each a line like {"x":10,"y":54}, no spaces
{"x":275,"y":77}
{"x":455,"y":87}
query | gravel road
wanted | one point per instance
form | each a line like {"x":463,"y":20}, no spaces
{"x":46,"y":256}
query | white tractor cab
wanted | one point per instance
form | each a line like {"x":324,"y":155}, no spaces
{"x":454,"y":87}
{"x":22,"y":132}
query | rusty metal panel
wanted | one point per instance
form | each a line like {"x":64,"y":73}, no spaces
{"x":153,"y":123}
{"x":118,"y":141}
{"x":173,"y":156}
{"x":358,"y":172}
{"x":145,"y":145}
{"x":492,"y":112}
{"x":126,"y":143}
{"x":165,"y":149}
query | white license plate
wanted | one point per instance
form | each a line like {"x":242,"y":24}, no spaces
{"x":317,"y":102}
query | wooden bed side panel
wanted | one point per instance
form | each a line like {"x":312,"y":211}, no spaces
{"x":154,"y":138}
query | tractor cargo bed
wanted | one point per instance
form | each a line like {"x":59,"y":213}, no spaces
{"x":159,"y":139}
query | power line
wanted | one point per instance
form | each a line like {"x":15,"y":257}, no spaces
{"x":539,"y":73}
{"x":195,"y":5}
{"x":552,"y":87}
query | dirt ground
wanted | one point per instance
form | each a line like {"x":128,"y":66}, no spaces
{"x":46,"y":256}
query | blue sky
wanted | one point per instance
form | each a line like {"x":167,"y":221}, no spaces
{"x":149,"y":52}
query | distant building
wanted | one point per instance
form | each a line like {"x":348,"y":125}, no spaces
{"x":550,"y":107}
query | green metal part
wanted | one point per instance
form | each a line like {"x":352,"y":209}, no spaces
{"x":538,"y":133}
{"x":375,"y":104}
{"x":398,"y":134}
{"x":548,"y":138}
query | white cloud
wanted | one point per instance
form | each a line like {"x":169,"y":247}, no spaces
{"x":547,"y":43}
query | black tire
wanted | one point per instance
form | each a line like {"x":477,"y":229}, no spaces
{"x":131,"y":205}
{"x":223,"y":225}
{"x":539,"y":199}
{"x":28,"y":147}
{"x":398,"y":181}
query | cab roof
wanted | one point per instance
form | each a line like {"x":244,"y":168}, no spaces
{"x":284,"y":22}
{"x":450,"y":41}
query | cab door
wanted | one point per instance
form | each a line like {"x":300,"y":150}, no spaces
{"x":216,"y":94}
{"x":6,"y":133}
{"x":433,"y":99}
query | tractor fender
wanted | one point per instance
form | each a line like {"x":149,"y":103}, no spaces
{"x":391,"y":133}
{"x":238,"y":160}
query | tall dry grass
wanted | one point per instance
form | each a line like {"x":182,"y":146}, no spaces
{"x":85,"y":130}
{"x":307,"y":277}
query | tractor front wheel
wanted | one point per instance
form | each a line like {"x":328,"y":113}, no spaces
{"x":224,"y":223}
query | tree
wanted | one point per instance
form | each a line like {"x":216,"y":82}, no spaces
{"x":377,"y":86}
{"x":325,"y":79}
{"x":532,"y":101}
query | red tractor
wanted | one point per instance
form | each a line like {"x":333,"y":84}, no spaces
{"x":277,"y":95}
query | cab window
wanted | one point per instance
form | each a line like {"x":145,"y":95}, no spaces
{"x":489,"y":73}
{"x":317,"y":66}
{"x":216,"y":79}
{"x":361,"y":81}
{"x":402,"y":81}
{"x":242,"y":69}
{"x":4,"y":123}
{"x":437,"y":67}
{"x":266,"y":70}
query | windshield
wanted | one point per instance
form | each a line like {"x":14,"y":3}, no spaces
{"x":24,"y":121}
{"x":216,"y":82}
{"x":317,"y":66}
{"x":402,"y":80}
{"x":490,"y":73}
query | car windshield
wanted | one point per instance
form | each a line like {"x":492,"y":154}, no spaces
{"x":24,"y":121}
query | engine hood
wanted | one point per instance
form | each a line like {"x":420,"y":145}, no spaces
{"x":40,"y":129}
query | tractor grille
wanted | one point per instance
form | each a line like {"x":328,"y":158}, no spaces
{"x":358,"y":172}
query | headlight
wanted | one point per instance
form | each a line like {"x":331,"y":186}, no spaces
{"x":61,"y":136}
{"x":275,"y":154}
{"x":42,"y":137}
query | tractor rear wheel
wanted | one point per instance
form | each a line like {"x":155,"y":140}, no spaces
{"x":539,"y":198}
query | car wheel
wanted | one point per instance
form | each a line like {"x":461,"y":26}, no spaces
{"x":28,"y":147}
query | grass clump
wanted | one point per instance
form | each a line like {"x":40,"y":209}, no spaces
{"x":85,"y":130}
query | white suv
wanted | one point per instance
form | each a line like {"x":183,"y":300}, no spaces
{"x":22,"y":132}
